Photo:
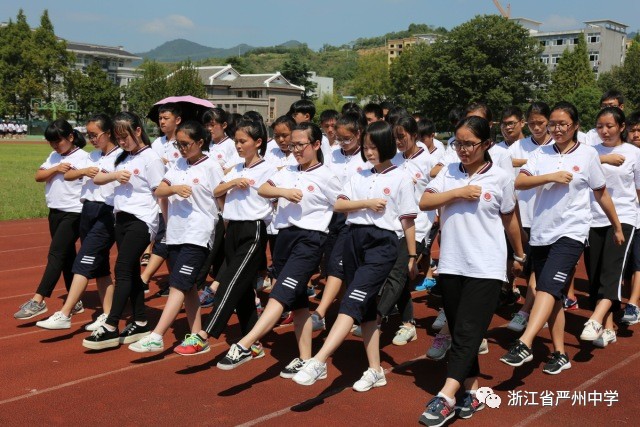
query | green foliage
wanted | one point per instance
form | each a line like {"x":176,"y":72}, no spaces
{"x":573,"y":72}
{"x":488,"y":58}
{"x":297,"y":71}
{"x":148,"y":89}
{"x":365,"y":43}
{"x":372,"y":77}
{"x":587,"y":101}
{"x":327,"y":102}
{"x":185,"y":81}
{"x":93,"y":92}
{"x":626,"y":78}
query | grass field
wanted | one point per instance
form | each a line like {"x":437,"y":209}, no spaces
{"x":20,"y":195}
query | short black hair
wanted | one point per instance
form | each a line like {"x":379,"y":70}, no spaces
{"x":612,"y":94}
{"x":170,"y":107}
{"x":426,"y":127}
{"x":512,"y":110}
{"x":376,"y":109}
{"x":314,"y":133}
{"x":329,"y":115}
{"x":303,"y":106}
{"x":381,"y":135}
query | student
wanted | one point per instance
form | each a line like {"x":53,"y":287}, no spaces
{"x":631,"y":312}
{"x":380,"y":205}
{"x":138,"y":171}
{"x":304,"y":110}
{"x":278,"y":152}
{"x":169,"y":117}
{"x":97,"y":233}
{"x":511,"y":125}
{"x":245,"y":242}
{"x":611,"y":98}
{"x":328,"y":125}
{"x":63,"y":201}
{"x":191,"y":221}
{"x":386,"y":107}
{"x":306,"y":194}
{"x":345,"y":162}
{"x":563,"y":173}
{"x":222,"y":148}
{"x":373,"y":113}
{"x":537,"y":117}
{"x":604,"y":259}
{"x":477,"y":205}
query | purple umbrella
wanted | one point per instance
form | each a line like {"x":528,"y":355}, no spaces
{"x":192,"y":107}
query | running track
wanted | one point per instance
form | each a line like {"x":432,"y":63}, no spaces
{"x":48,"y":378}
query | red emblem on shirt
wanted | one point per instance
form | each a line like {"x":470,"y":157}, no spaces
{"x":251,"y":182}
{"x":487,"y":196}
{"x":359,"y":169}
{"x":311,"y":188}
{"x":576,"y":168}
{"x":136,"y":172}
{"x":219,"y":155}
{"x":196,"y":180}
{"x":418,"y":175}
{"x":386,"y":191}
{"x":176,"y":155}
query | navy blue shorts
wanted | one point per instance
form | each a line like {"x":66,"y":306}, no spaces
{"x":369,"y":255}
{"x":553,"y":264}
{"x":97,"y":235}
{"x":185,"y":262}
{"x":335,"y":246}
{"x":634,"y":261}
{"x":297,"y":254}
{"x":160,"y":244}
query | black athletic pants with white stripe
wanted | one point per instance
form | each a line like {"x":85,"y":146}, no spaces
{"x":215,"y":258}
{"x":132,"y":238}
{"x":605,"y":264}
{"x":64,"y":230}
{"x":469,"y":304}
{"x":244,"y":246}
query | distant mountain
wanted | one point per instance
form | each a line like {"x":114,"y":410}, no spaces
{"x":181,"y":49}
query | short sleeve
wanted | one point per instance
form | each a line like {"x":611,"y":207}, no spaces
{"x":508,"y":203}
{"x":333,"y":189}
{"x":279,"y":178}
{"x":437,"y":184}
{"x":48,"y":163}
{"x":155,"y":172}
{"x":596,"y":177}
{"x":406,"y":202}
{"x":347,"y":190}
{"x":636,"y":169}
{"x":530,"y":168}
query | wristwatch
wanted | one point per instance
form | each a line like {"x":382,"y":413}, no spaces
{"x":520,"y":260}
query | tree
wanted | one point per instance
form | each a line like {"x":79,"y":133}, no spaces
{"x":625,"y":78}
{"x":573,"y":72}
{"x":93,"y":92}
{"x":488,"y":58}
{"x":186,"y":81}
{"x":372,"y":77}
{"x":297,"y":72}
{"x":148,"y":89}
{"x":587,"y":101}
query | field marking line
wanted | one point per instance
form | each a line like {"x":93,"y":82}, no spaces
{"x":22,"y":268}
{"x":23,"y":234}
{"x":24,"y":249}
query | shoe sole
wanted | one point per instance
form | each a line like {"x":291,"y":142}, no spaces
{"x":377,"y":384}
{"x":73,"y":313}
{"x":483,"y":351}
{"x":606,"y":343}
{"x":436,"y":327}
{"x":230,"y":367}
{"x":287,"y":376}
{"x":146,"y":350}
{"x":413,"y":338}
{"x":562,"y":368}
{"x":52,"y":327}
{"x":133,"y":338}
{"x":425,"y":421}
{"x":588,"y":338}
{"x":203,"y":351}
{"x":206,"y":305}
{"x":33,"y":315}
{"x":310,"y":382}
{"x":466,"y":416}
{"x":92,"y":345}
{"x":630,"y":322}
{"x":438,"y":358}
{"x":527,"y":359}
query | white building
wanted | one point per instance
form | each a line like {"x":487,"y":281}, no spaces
{"x":115,"y":61}
{"x":324,"y":85}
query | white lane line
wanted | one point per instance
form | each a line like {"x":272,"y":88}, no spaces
{"x":24,"y":249}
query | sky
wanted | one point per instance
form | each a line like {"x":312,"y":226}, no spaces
{"x":141,"y":25}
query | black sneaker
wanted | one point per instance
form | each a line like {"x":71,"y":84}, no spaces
{"x":518,"y":354}
{"x":436,"y":291}
{"x":437,"y":412}
{"x":292,"y":368}
{"x":101,"y":338}
{"x":236,"y":356}
{"x":557,"y":363}
{"x":162,"y":293}
{"x":469,"y":406}
{"x":133,"y":332}
{"x":509,"y":296}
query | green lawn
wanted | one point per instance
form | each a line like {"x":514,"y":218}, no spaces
{"x":20,"y":195}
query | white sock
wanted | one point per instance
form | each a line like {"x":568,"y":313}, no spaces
{"x":155,"y":337}
{"x":139,"y":323}
{"x":109,"y":327}
{"x":449,"y":400}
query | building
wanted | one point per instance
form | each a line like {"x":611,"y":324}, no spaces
{"x":324,"y":85}
{"x":396,"y":46}
{"x":606,"y":42}
{"x":115,"y":61}
{"x":269,"y":94}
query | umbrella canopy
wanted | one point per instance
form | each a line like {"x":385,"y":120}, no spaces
{"x":192,"y":107}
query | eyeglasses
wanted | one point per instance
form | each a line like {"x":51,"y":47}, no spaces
{"x":509,"y":124}
{"x":535,"y":124}
{"x":298,"y":147}
{"x":94,"y":137}
{"x":563,"y":127}
{"x":345,"y":141}
{"x":464,"y":146}
{"x":182,"y":146}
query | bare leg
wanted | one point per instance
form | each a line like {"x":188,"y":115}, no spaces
{"x":78,"y":286}
{"x":531,"y":294}
{"x":155,"y":262}
{"x":170,"y":311}
{"x":450,"y":388}
{"x":105,"y":291}
{"x":542,"y":307}
{"x":338,"y":333}
{"x":331,"y":290}
{"x":371,"y":338}
{"x":635,"y":289}
{"x":556,"y":324}
{"x":602,"y":309}
{"x":303,"y":330}
{"x":265,"y":323}
{"x":192,"y":307}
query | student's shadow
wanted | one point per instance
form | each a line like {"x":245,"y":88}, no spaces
{"x":64,"y":337}
{"x":540,"y":354}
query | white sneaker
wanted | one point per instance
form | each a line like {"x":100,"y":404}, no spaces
{"x":96,"y":325}
{"x":311,"y":372}
{"x":518,"y":322}
{"x":440,"y":321}
{"x":371,"y":378}
{"x":356,"y":331}
{"x":147,"y":344}
{"x":608,"y":337}
{"x":317,"y":322}
{"x":57,"y":321}
{"x":484,"y":347}
{"x":404,"y":335}
{"x":592,"y":331}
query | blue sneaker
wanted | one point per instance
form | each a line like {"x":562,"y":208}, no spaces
{"x":631,"y":315}
{"x":427,"y":283}
{"x":206,"y":297}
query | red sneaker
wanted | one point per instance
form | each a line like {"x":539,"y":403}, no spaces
{"x":192,"y":345}
{"x":286,"y":318}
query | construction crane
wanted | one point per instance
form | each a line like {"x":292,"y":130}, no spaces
{"x":507,"y":13}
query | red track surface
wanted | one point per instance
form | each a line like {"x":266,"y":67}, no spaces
{"x":48,"y":378}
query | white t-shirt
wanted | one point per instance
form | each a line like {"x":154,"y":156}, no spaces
{"x":344,"y":166}
{"x":592,"y":138}
{"x":499,"y":156}
{"x":92,"y":191}
{"x":278,"y":157}
{"x":224,"y":152}
{"x":394,"y":185}
{"x":320,"y":189}
{"x":622,"y":183}
{"x":166,"y":150}
{"x":562,"y":210}
{"x":60,"y":194}
{"x":193,"y":220}
{"x":245,"y":204}
{"x":473,"y":242}
{"x":137,"y":196}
